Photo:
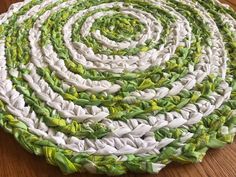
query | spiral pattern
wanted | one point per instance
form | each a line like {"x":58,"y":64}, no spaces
{"x":110,"y":86}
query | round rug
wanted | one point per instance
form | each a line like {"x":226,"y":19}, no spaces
{"x":111,"y":86}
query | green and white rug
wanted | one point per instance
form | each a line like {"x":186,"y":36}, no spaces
{"x":110,"y":86}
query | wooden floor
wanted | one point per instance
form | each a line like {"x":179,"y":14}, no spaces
{"x":16,"y":162}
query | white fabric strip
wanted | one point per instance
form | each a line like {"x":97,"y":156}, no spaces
{"x":18,"y":108}
{"x":58,"y":64}
{"x":156,"y":119}
{"x":104,"y":146}
{"x":34,"y":10}
{"x":153,"y":28}
{"x":129,"y":142}
{"x":118,"y":64}
{"x":12,"y":9}
{"x":213,"y":60}
{"x":227,"y":19}
{"x":66,"y":108}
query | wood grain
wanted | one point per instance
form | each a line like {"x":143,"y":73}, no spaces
{"x":16,"y":162}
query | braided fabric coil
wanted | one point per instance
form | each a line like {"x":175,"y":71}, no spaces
{"x":111,"y":86}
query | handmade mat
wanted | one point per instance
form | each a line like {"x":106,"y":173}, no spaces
{"x":110,"y":86}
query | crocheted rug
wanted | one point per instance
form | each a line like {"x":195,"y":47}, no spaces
{"x":110,"y":86}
